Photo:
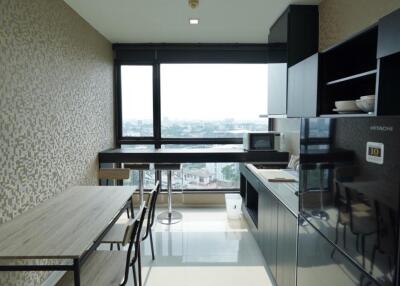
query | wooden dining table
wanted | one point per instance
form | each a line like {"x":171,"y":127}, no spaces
{"x":68,"y":227}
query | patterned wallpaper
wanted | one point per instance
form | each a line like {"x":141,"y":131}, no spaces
{"x":56,"y":106}
{"x":339,"y":19}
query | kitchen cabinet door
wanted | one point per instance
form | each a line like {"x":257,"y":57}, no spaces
{"x":261,"y":218}
{"x":303,"y":88}
{"x":271,"y":230}
{"x":286,"y":247}
{"x":277,"y":89}
{"x":389,"y":34}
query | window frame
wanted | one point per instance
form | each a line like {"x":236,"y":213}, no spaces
{"x":157,"y":54}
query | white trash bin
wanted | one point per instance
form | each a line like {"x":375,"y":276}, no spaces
{"x":233,"y":206}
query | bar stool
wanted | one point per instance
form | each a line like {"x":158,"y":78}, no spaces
{"x":321,"y":213}
{"x":304,"y":172}
{"x":169,"y":216}
{"x":141,"y":168}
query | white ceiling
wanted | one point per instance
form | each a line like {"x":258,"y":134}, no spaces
{"x":167,"y":21}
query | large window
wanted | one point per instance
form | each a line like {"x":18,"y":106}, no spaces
{"x":196,"y":101}
{"x":137,"y":100}
{"x":192,"y":96}
{"x":212,"y":100}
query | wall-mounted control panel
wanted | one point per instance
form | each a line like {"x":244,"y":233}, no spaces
{"x":375,"y":152}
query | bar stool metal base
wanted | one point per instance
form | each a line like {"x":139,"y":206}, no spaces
{"x":169,"y":217}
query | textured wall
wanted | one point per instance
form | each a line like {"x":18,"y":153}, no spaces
{"x":56,"y":106}
{"x":339,"y":19}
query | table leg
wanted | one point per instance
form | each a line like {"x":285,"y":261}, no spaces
{"x":77,"y":278}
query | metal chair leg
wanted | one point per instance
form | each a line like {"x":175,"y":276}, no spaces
{"x":140,"y":266}
{"x":118,"y":246}
{"x":363,"y":250}
{"x":336,"y":237}
{"x":134,"y":275}
{"x":151,"y":243}
{"x":373,"y":259}
{"x":141,"y":186}
{"x":111,"y":246}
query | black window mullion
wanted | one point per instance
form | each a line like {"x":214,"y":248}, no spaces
{"x":117,"y":104}
{"x":156,"y":105}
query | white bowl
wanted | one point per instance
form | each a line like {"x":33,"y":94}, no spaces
{"x":366,"y":105}
{"x":372,"y":96}
{"x":346,"y":105}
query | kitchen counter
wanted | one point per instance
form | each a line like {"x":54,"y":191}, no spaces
{"x":190,"y":155}
{"x":285,"y":192}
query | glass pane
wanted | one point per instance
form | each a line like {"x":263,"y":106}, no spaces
{"x":149,"y":179}
{"x":203,"y":176}
{"x":213,"y":100}
{"x":137,"y":100}
{"x":137,"y":147}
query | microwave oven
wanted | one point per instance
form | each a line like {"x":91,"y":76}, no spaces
{"x":261,"y":141}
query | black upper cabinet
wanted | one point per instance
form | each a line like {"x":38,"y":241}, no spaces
{"x":297,"y":27}
{"x":348,"y":70}
{"x":297,"y":30}
{"x":388,"y":53}
{"x":389,"y":34}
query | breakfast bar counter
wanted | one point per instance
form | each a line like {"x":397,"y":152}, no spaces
{"x":190,"y":155}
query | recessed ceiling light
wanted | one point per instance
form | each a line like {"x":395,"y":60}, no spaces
{"x":194,"y":21}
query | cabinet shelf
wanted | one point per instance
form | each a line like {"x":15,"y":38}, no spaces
{"x":356,"y":76}
{"x":334,"y":115}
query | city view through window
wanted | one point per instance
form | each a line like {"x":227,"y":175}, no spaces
{"x":197,"y":101}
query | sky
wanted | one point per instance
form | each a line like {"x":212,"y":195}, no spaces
{"x":197,"y":91}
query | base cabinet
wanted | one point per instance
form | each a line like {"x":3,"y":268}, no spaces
{"x":286,"y":248}
{"x":275,"y":231}
{"x":269,"y":228}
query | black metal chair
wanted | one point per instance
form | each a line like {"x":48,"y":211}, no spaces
{"x":150,"y":218}
{"x":385,"y":242}
{"x":356,"y":214}
{"x":107,"y":267}
{"x":116,"y":233}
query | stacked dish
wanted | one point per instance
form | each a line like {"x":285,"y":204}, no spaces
{"x":366,"y":103}
{"x":346,"y":106}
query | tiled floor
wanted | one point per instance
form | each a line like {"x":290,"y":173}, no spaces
{"x":206,"y":248}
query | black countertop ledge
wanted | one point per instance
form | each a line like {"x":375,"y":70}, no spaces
{"x":190,"y":155}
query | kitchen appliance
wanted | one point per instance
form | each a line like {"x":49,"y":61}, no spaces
{"x":349,"y":201}
{"x":261,"y":141}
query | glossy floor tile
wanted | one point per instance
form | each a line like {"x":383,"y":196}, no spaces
{"x":206,"y":248}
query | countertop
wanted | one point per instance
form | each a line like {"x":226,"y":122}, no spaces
{"x":189,"y":155}
{"x":286,"y":192}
